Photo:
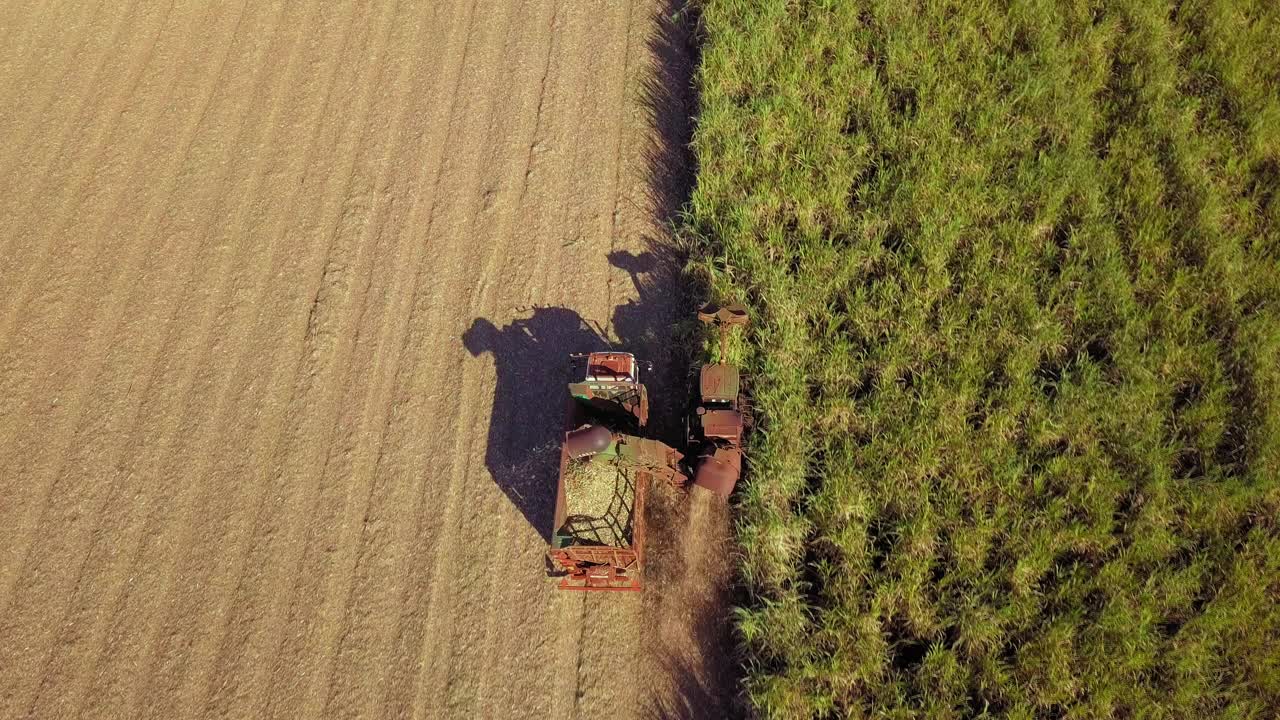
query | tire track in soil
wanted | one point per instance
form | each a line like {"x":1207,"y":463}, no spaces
{"x":480,"y":670}
{"x":256,"y":468}
{"x":281,"y":538}
{"x":507,"y":139}
{"x":118,"y":522}
{"x":79,"y":90}
{"x":33,"y":451}
{"x":29,"y":149}
{"x":308,"y":445}
{"x":451,"y":577}
{"x":52,"y":30}
{"x":234,"y":302}
{"x":71,"y":545}
{"x":339,"y":133}
{"x":204,"y":552}
{"x":385,"y":544}
{"x":450,"y":680}
{"x":145,"y":435}
{"x":326,"y":578}
{"x":21,"y":367}
{"x":18,"y":35}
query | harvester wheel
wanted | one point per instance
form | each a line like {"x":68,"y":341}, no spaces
{"x":746,"y":411}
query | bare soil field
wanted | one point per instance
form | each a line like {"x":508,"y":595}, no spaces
{"x":285,"y":294}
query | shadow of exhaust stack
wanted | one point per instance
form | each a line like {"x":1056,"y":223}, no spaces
{"x":635,"y":265}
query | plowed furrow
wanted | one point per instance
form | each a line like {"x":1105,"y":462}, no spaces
{"x":288,"y":290}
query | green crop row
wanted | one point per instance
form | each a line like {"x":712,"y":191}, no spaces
{"x":1015,"y":275}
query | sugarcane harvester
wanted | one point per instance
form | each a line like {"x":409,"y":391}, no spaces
{"x":607,"y":466}
{"x":721,"y":413}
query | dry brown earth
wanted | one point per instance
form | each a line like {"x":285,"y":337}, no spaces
{"x":285,"y":291}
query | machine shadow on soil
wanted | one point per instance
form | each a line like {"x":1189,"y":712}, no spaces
{"x":525,"y":430}
{"x":531,"y":360}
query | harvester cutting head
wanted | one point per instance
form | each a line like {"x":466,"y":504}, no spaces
{"x":723,"y":317}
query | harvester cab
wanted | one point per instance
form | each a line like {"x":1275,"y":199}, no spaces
{"x":721,"y":413}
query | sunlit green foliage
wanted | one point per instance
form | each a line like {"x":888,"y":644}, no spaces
{"x":1015,"y":270}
